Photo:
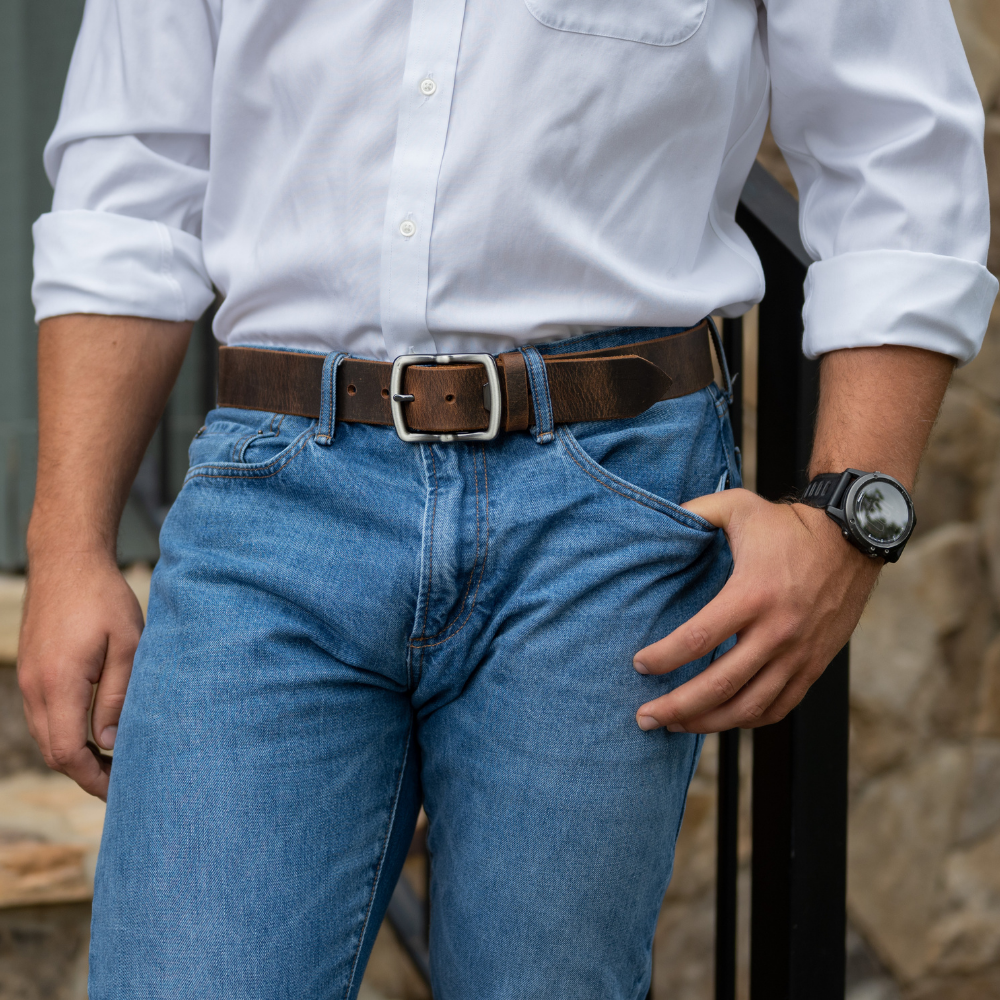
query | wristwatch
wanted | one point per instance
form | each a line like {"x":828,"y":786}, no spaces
{"x":873,"y":510}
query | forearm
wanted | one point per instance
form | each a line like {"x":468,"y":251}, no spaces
{"x":797,"y":588}
{"x":103,"y":382}
{"x":876,"y":410}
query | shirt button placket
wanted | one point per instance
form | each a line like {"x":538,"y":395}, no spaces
{"x":424,"y":111}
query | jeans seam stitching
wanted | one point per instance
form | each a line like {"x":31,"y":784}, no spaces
{"x":599,"y":478}
{"x":430,"y":569}
{"x":482,"y":570}
{"x":331,"y":403}
{"x":721,"y":414}
{"x":249,"y":473}
{"x":472,"y":572}
{"x":378,"y":867}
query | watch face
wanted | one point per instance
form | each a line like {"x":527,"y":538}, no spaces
{"x":881,"y":512}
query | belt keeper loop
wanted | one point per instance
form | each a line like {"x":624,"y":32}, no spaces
{"x":538,"y":380}
{"x":327,"y":422}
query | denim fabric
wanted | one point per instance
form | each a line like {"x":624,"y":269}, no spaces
{"x":338,"y":631}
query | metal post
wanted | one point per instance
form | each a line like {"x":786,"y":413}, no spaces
{"x":728,"y":797}
{"x":732,"y":344}
{"x":799,"y":864}
{"x":727,"y":865}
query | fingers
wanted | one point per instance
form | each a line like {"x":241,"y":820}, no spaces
{"x":78,"y":632}
{"x":767,"y":698}
{"x":718,"y":684}
{"x":727,"y":614}
{"x":67,"y":748}
{"x":111,"y":691}
{"x":793,"y":600}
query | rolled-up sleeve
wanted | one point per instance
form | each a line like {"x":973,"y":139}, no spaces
{"x":129,"y":163}
{"x":876,"y":112}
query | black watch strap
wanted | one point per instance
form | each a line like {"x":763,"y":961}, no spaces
{"x":822,"y":489}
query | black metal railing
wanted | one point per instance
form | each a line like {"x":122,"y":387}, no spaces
{"x":799,"y":862}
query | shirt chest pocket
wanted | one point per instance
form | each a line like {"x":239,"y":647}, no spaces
{"x":654,"y":22}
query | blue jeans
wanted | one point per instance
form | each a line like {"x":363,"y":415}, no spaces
{"x":341,"y":626}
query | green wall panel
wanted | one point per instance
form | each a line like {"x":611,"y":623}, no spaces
{"x":36,"y":42}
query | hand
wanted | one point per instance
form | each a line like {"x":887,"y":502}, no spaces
{"x":795,"y":595}
{"x":81,"y":626}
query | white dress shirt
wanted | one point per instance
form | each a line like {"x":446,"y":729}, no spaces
{"x":381,"y":176}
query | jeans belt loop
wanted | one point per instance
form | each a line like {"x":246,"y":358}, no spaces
{"x":327,"y":422}
{"x":721,"y":357}
{"x":538,"y":379}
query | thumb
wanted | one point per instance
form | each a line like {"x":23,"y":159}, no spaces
{"x":111,"y":691}
{"x":716,"y":508}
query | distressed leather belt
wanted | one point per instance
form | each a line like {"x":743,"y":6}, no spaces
{"x":470,"y":396}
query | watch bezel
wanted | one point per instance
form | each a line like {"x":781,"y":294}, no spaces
{"x":888,"y":551}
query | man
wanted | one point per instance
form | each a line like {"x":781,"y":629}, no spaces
{"x":528,"y":628}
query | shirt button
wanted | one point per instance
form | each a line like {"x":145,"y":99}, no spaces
{"x":427,"y":87}
{"x":407,"y":228}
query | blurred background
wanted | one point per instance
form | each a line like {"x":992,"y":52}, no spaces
{"x":924,"y":836}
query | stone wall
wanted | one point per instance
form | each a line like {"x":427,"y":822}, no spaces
{"x":924,"y":870}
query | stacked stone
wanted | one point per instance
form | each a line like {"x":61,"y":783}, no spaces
{"x":924,"y":872}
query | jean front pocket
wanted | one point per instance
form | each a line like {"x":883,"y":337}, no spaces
{"x":672,"y":453}
{"x":653,"y":22}
{"x":247,"y":443}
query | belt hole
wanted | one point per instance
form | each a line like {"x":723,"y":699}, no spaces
{"x":385,"y":393}
{"x":351,"y":390}
{"x":449,"y":398}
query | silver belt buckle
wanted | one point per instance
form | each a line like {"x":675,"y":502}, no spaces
{"x":397,"y":399}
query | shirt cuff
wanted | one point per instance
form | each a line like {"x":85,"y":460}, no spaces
{"x":116,"y":265}
{"x":876,"y":297}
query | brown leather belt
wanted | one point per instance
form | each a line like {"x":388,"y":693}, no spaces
{"x":456,"y":399}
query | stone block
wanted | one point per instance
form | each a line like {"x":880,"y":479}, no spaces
{"x":966,"y":937}
{"x":991,"y":537}
{"x":950,"y":575}
{"x":982,"y":51}
{"x":18,"y":751}
{"x":980,"y":808}
{"x":916,"y":656}
{"x":895,"y":646}
{"x":956,"y":701}
{"x":957,"y":470}
{"x":985,"y":986}
{"x":43,"y":952}
{"x":965,"y":941}
{"x":878,"y":742}
{"x":50,"y":830}
{"x":683,"y":953}
{"x":972,"y":876}
{"x":694,"y":858}
{"x":901,"y":827}
{"x":987,"y":721}
{"x":390,"y":974}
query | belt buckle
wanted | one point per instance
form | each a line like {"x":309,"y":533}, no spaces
{"x":397,"y":399}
